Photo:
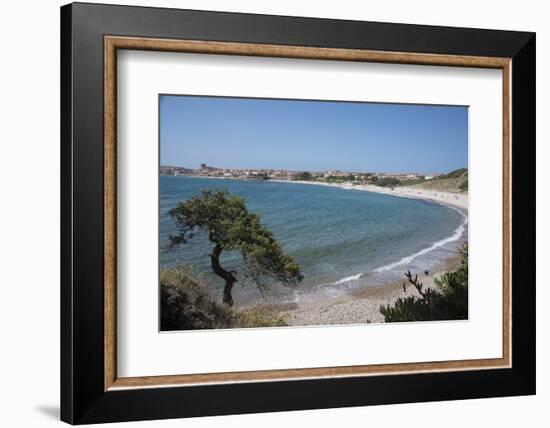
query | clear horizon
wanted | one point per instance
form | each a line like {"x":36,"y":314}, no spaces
{"x":300,"y":135}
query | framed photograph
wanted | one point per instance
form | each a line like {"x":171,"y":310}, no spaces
{"x":265,"y":213}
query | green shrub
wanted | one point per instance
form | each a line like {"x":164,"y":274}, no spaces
{"x":303,"y":176}
{"x":449,"y":301}
{"x":453,"y":174}
{"x":388,"y":182}
{"x":185,"y":304}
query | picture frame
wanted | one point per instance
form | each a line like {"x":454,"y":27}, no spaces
{"x":91,"y":390}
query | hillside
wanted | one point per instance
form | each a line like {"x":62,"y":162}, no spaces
{"x":454,"y":182}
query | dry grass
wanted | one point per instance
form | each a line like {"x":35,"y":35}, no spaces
{"x":260,"y":316}
{"x":452,"y":184}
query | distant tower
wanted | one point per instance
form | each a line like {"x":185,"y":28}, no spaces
{"x":203,"y":165}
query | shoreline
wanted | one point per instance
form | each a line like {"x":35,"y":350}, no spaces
{"x":362,"y":306}
{"x":457,"y":200}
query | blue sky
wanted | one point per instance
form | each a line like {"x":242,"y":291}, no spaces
{"x":312,"y":135}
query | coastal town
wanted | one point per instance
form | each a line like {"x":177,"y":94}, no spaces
{"x":353,"y":177}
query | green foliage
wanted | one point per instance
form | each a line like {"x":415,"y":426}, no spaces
{"x":231,"y":227}
{"x":464,"y":185}
{"x":388,"y":182}
{"x":455,"y":182}
{"x":259,"y":316}
{"x":228,"y":223}
{"x":340,"y":179}
{"x":414,"y":181}
{"x":303,"y":176}
{"x":187,"y":305}
{"x":448,"y":302}
{"x":457,"y":173}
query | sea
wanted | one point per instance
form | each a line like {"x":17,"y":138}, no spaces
{"x":344,"y":239}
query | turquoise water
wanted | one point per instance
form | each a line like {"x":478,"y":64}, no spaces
{"x":342,"y":238}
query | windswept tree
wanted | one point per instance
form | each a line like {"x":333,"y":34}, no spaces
{"x":230,"y":227}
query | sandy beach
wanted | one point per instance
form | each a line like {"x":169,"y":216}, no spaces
{"x":459,"y":200}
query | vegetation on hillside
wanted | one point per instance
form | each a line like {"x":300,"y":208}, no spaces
{"x":455,"y":182}
{"x":340,"y":178}
{"x":448,"y":301}
{"x":187,"y":305}
{"x":464,"y":185}
{"x":457,"y":173}
{"x":231,"y":227}
{"x":303,"y":176}
{"x":388,"y":182}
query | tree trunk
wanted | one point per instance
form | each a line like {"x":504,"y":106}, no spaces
{"x":227,"y":276}
{"x":227,"y":297}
